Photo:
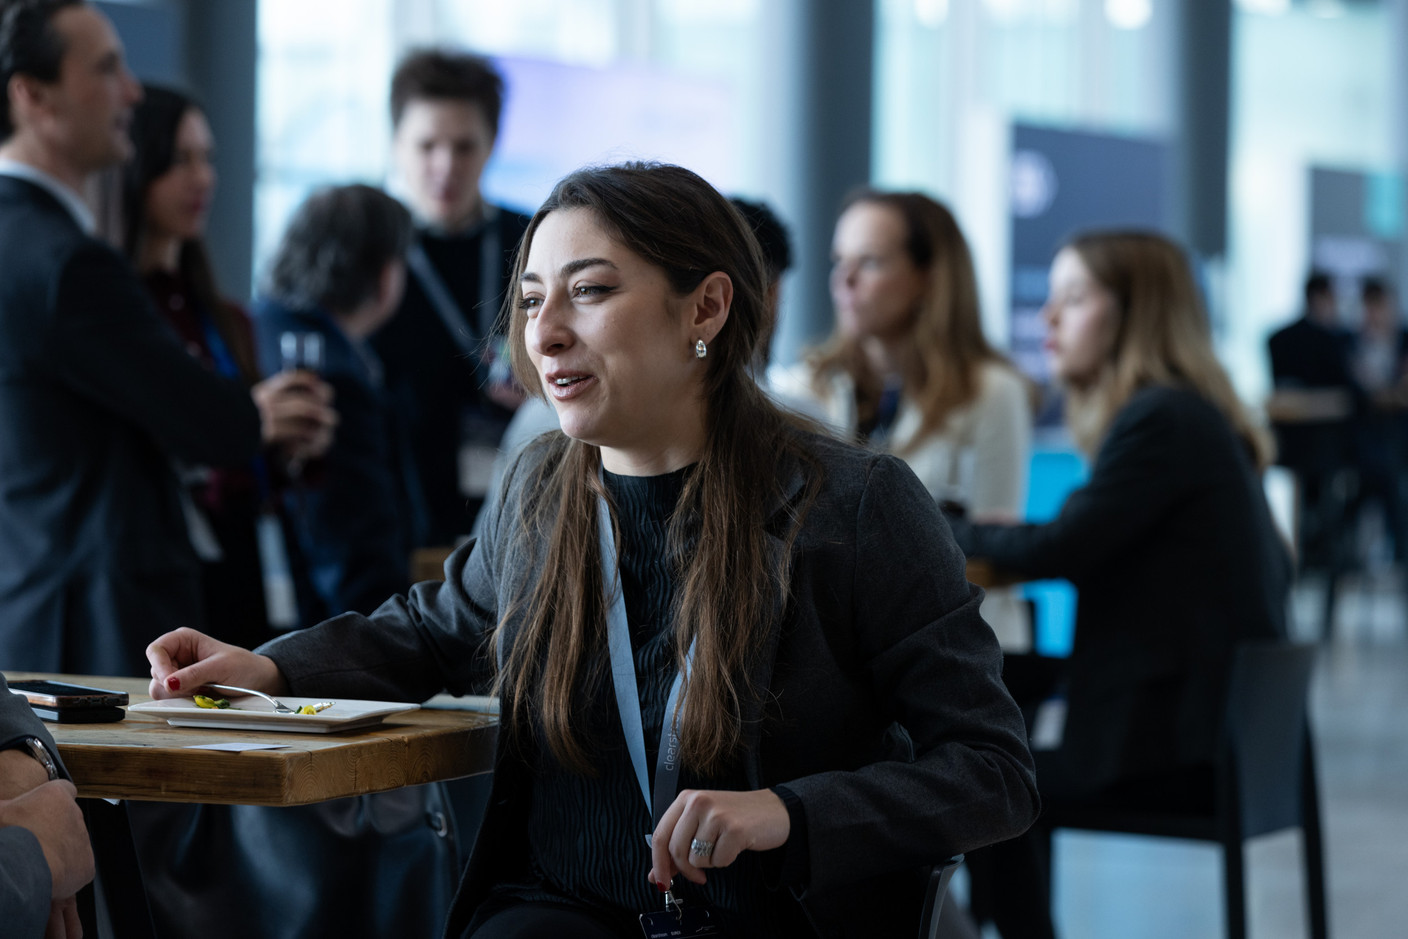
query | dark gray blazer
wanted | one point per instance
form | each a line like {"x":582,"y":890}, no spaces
{"x":25,"y":883}
{"x":97,"y":397}
{"x":880,"y":628}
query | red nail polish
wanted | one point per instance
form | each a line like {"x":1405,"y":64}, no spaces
{"x":173,"y":683}
{"x":663,"y":888}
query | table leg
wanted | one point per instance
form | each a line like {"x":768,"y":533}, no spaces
{"x":119,"y":875}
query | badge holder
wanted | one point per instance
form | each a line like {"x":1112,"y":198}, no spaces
{"x":676,"y":922}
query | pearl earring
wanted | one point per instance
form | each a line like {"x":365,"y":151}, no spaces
{"x":700,"y":350}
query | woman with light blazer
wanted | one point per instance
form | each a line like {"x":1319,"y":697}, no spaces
{"x":909,"y":371}
{"x":684,"y":584}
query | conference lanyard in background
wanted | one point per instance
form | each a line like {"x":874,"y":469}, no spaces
{"x":673,"y":922}
{"x":476,"y":456}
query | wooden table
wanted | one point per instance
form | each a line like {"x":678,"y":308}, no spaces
{"x":985,"y":575}
{"x":143,"y":758}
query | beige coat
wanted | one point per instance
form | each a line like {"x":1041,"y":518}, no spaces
{"x":980,"y":458}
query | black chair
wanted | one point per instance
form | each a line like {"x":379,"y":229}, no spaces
{"x":1265,"y":780}
{"x":934,"y":896}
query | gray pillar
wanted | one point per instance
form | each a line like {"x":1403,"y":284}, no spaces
{"x":1201,"y":146}
{"x":823,"y":135}
{"x":221,"y":56}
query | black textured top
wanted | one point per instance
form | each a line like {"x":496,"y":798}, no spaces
{"x":587,"y":833}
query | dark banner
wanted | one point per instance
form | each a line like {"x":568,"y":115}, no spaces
{"x":1067,"y":181}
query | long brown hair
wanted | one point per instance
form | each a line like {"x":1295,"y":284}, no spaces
{"x":732,"y":580}
{"x":947,"y":349}
{"x":1163,"y":337}
{"x":155,"y":123}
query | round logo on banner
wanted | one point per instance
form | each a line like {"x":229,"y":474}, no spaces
{"x":1033,"y":183}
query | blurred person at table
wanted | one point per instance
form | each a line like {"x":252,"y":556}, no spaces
{"x":1170,"y":545}
{"x":839,"y":720}
{"x":1378,"y":357}
{"x":909,"y":371}
{"x":99,"y":399}
{"x":1310,"y":361}
{"x":338,"y":274}
{"x":445,"y":370}
{"x":45,"y":856}
{"x":167,"y":188}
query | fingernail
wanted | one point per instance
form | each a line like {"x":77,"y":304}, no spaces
{"x":173,"y":683}
{"x":663,"y":888}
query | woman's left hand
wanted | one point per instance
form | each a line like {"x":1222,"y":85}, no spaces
{"x":733,"y":822}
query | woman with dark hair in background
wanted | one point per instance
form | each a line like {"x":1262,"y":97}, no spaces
{"x":909,"y":371}
{"x":1170,"y":545}
{"x":166,"y":193}
{"x":787,"y":609}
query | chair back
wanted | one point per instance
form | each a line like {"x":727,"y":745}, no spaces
{"x":1267,"y":732}
{"x":934,"y":896}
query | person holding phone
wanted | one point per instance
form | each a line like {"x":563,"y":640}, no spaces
{"x":45,"y":855}
{"x":689,"y":585}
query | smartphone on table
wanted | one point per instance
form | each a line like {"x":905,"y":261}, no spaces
{"x":64,"y":703}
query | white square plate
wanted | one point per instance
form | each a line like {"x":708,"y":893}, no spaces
{"x":247,"y":712}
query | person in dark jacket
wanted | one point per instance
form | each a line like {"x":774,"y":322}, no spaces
{"x":840,"y":723}
{"x":446,"y":373}
{"x":338,"y":275}
{"x":1170,"y":544}
{"x":99,"y":399}
{"x":1310,"y":359}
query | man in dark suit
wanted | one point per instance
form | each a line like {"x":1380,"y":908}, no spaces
{"x":1311,"y":355}
{"x":1312,"y":352}
{"x":45,"y":856}
{"x":446,"y":374}
{"x":97,"y":396}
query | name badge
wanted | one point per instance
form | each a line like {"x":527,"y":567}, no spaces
{"x":679,"y":923}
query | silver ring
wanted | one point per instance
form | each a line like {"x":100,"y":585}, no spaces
{"x":701,"y":848}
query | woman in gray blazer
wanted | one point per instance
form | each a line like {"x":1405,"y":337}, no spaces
{"x":687,"y":586}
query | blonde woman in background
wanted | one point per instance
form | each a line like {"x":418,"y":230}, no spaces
{"x":909,"y":371}
{"x":1170,"y":545}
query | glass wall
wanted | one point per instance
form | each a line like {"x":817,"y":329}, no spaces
{"x":588,"y":81}
{"x":695,"y":81}
{"x":1313,"y":88}
{"x":952,"y":78}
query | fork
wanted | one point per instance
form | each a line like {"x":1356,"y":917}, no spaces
{"x":279,"y":706}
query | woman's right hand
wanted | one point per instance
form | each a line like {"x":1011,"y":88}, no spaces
{"x":184,"y":660}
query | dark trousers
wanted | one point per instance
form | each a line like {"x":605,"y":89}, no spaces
{"x":540,"y":921}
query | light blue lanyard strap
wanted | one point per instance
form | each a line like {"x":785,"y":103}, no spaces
{"x":623,"y":675}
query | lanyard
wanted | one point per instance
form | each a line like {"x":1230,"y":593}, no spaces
{"x":623,"y":675}
{"x":463,"y":328}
